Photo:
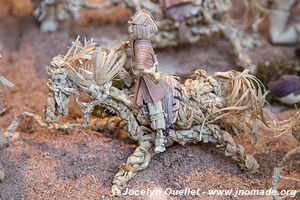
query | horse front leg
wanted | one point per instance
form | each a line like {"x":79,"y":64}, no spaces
{"x":138,"y":161}
{"x":212,"y":133}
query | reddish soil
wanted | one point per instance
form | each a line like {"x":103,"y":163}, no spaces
{"x":80,"y":164}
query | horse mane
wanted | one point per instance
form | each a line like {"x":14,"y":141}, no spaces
{"x":91,"y":62}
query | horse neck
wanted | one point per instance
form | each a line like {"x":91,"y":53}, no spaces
{"x":134,"y":129}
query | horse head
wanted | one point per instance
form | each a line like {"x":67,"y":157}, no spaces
{"x":86,"y":68}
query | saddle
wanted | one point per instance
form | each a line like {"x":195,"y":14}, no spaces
{"x":171,"y":102}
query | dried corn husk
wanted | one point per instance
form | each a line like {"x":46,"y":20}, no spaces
{"x":91,"y":62}
{"x":244,"y":102}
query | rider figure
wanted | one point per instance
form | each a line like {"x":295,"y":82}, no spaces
{"x":149,"y":89}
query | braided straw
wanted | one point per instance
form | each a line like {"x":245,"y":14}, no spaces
{"x":141,"y":157}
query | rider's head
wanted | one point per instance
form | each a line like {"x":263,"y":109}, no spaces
{"x":141,"y":25}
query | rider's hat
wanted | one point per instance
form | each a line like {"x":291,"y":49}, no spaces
{"x":143,"y":25}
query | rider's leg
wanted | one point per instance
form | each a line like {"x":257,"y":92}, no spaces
{"x":158,"y":123}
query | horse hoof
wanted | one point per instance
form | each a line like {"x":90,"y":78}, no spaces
{"x":115,"y":190}
{"x":251,"y":164}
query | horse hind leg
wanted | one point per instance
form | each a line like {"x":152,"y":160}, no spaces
{"x":236,"y":151}
{"x":138,"y":161}
{"x":212,"y":133}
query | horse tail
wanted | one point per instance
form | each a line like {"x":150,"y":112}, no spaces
{"x":245,"y":97}
{"x":244,"y":91}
